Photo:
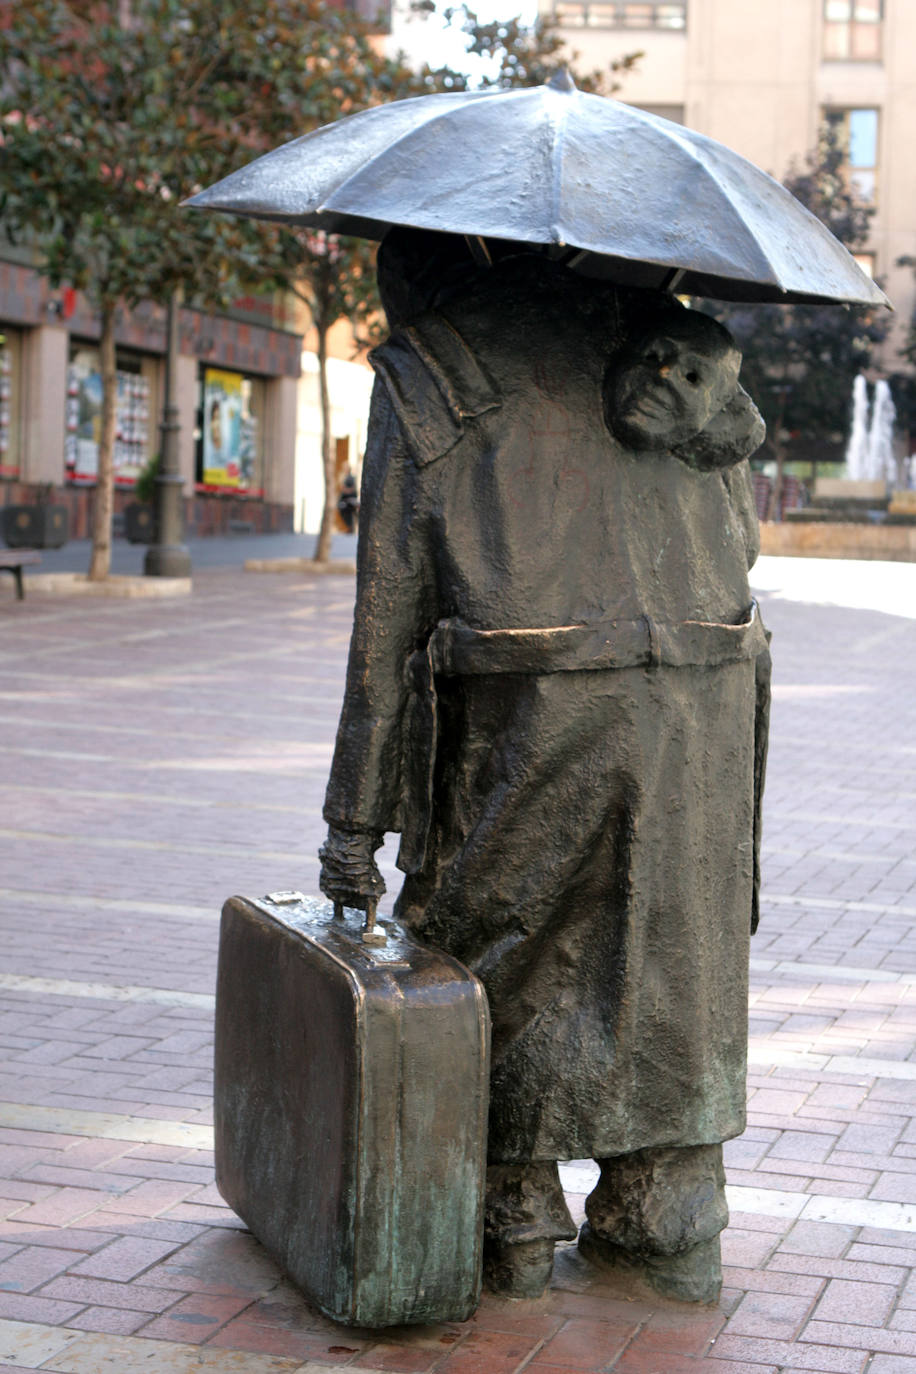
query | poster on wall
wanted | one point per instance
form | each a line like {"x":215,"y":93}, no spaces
{"x":222,"y":428}
{"x":84,"y":420}
{"x":6,"y":405}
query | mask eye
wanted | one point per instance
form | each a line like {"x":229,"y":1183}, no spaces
{"x":693,"y":378}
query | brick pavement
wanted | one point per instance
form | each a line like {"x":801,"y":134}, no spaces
{"x":159,"y":756}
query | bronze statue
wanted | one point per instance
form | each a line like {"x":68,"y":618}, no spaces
{"x":558,"y":684}
{"x":557,"y":695}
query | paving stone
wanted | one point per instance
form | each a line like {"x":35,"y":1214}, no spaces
{"x":105,"y":1293}
{"x":30,"y":1344}
{"x":60,"y":1207}
{"x":779,"y":1316}
{"x":124,"y":1258}
{"x":893,"y":1187}
{"x":114,"y":1354}
{"x":114,"y":1320}
{"x":802,"y":1145}
{"x":198,"y":1317}
{"x":845,"y":1301}
{"x":403,"y":1359}
{"x":826,"y":1358}
{"x":584,"y":1344}
{"x":494,"y":1352}
{"x":26,"y":1307}
{"x":32,"y":1266}
{"x":861,"y":1337}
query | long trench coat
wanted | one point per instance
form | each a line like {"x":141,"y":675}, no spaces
{"x":556,"y":694}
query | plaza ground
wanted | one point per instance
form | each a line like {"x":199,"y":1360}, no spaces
{"x":159,"y":756}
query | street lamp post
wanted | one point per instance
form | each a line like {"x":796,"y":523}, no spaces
{"x":168,"y":556}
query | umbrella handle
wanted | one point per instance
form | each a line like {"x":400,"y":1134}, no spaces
{"x":478,"y":249}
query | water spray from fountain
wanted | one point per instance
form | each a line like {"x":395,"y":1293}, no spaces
{"x":870,"y":451}
{"x":857,"y":448}
{"x":881,"y":458}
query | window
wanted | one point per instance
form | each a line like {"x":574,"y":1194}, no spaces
{"x":674,"y":113}
{"x":867,"y":263}
{"x":229,"y":447}
{"x":134,"y":427}
{"x":858,"y":131}
{"x":621,"y":14}
{"x":852,"y":30}
{"x":9,"y":401}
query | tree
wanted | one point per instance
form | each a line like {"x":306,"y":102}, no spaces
{"x":336,"y":276}
{"x":108,"y":119}
{"x":800,"y":360}
{"x":336,"y":280}
{"x":530,"y":54}
{"x":112,"y":112}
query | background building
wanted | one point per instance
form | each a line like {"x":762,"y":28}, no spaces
{"x":237,"y":399}
{"x":762,"y":78}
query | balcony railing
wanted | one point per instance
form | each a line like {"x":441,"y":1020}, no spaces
{"x":621,"y":14}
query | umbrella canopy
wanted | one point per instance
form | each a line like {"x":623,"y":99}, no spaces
{"x":643,"y":200}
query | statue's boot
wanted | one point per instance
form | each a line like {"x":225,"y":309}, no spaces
{"x":657,"y":1213}
{"x":526,"y":1214}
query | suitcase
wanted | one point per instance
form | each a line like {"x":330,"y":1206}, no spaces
{"x":351,"y":1093}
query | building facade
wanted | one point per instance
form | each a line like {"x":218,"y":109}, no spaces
{"x":762,"y":78}
{"x":237,"y":400}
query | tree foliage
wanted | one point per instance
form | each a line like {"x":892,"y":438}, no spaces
{"x":521,"y":54}
{"x":800,"y":360}
{"x":111,"y":114}
{"x":113,"y":111}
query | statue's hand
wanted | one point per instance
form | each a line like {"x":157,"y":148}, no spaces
{"x":349,"y":873}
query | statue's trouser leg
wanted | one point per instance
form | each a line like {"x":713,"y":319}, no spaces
{"x":661,"y":1210}
{"x":526,"y":1214}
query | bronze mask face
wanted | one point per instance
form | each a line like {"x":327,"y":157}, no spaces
{"x":665,"y":388}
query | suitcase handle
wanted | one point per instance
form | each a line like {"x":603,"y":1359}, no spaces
{"x":371,"y":936}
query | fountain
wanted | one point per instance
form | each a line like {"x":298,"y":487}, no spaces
{"x":870,"y":451}
{"x":857,"y":448}
{"x":871,"y":511}
{"x":881,"y":461}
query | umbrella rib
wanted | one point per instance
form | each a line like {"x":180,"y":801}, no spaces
{"x":687,"y":144}
{"x":558,"y":128}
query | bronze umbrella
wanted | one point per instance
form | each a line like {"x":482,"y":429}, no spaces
{"x":627,"y":195}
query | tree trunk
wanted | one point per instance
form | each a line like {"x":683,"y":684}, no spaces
{"x":774,"y":506}
{"x":323,"y":543}
{"x":103,"y":506}
{"x":774,"y":509}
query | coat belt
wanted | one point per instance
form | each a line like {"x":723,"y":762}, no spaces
{"x":457,"y":650}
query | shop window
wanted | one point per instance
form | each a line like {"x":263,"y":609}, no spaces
{"x":621,"y":14}
{"x":10,"y":373}
{"x":852,"y":30}
{"x":230,"y":432}
{"x":858,"y":130}
{"x":134,"y":428}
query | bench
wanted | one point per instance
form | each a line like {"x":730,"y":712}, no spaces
{"x":14,"y":560}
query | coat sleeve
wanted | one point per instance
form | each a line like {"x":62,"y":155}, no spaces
{"x":761,"y":742}
{"x":394,"y":614}
{"x":738,"y":481}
